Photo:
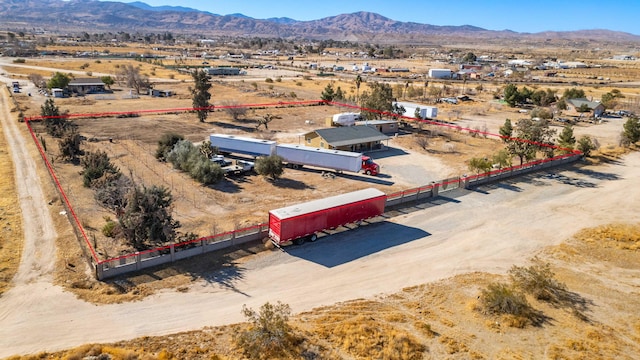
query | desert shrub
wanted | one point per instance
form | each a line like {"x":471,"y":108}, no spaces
{"x":298,"y":83}
{"x":502,"y":299}
{"x":166,"y":143}
{"x":542,"y":113}
{"x":270,"y":166}
{"x":538,"y":280}
{"x":19,"y":61}
{"x":108,"y":228}
{"x":95,"y":165}
{"x":269,"y":334}
{"x":69,"y":145}
{"x":188,"y":158}
{"x":268,"y":80}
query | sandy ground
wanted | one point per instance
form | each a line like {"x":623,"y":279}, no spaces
{"x":488,"y":229}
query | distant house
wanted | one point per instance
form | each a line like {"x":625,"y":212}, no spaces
{"x":383,"y":126}
{"x":595,"y":108}
{"x":358,"y":138}
{"x":86,"y":86}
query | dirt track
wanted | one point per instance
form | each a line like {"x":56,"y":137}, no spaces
{"x":488,"y":229}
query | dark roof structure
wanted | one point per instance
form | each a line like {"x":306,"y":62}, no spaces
{"x":349,"y":135}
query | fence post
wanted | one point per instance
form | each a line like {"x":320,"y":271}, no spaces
{"x":464,"y":182}
{"x":172,"y":251}
{"x":138,"y":261}
{"x":435,"y":189}
{"x":99,"y":271}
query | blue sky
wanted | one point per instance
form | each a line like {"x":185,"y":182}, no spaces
{"x":521,"y":16}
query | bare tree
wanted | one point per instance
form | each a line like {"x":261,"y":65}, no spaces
{"x":422,"y":141}
{"x":38,"y":80}
{"x":130,"y":75}
{"x":234,"y":110}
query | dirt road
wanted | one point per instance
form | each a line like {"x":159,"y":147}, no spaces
{"x":488,"y":229}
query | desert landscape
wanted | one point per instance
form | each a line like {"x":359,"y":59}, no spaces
{"x":414,"y":283}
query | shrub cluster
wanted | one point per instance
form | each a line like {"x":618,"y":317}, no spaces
{"x":186,"y":157}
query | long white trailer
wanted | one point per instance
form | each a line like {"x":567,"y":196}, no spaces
{"x":242,"y":145}
{"x":324,"y":158}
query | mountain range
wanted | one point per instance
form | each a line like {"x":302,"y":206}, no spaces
{"x":112,"y":16}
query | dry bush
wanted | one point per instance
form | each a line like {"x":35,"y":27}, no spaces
{"x":539,"y":281}
{"x":269,"y":334}
{"x":620,"y":236}
{"x":503,"y":299}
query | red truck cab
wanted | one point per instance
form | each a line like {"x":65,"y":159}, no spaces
{"x":369,"y":167}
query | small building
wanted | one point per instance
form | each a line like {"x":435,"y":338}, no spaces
{"x":383,"y":126}
{"x":596,"y":109}
{"x":358,"y":138}
{"x":440,"y":73}
{"x":57,"y":93}
{"x":84,"y":86}
{"x":223,"y":71}
{"x":426,"y":112}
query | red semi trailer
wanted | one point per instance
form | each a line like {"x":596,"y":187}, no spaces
{"x":302,"y":221}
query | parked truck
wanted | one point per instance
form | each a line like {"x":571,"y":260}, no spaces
{"x":230,"y":168}
{"x":299,"y":155}
{"x":302,"y":222}
{"x":296,"y":155}
{"x":242,"y":145}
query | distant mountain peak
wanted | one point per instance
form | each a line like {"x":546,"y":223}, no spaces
{"x":145,"y":6}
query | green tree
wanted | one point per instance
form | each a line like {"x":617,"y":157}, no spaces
{"x":146,"y":219}
{"x":166,"y":143}
{"x":469,"y":57}
{"x":506,"y":130}
{"x":566,"y":138}
{"x":269,"y":334}
{"x":543,"y":98}
{"x":358,"y":82}
{"x":479,"y":165}
{"x":59,"y":81}
{"x":530,"y":137}
{"x":511,"y":95}
{"x":190,"y":159}
{"x":610,"y":99}
{"x":573,"y":93}
{"x":54,"y":122}
{"x":417,"y":114}
{"x":380,"y":100}
{"x":108,"y":80}
{"x":502,"y":158}
{"x":328,"y":94}
{"x":200,"y":94}
{"x":270,"y":166}
{"x":586,"y":145}
{"x":207,"y":150}
{"x":631,"y":130}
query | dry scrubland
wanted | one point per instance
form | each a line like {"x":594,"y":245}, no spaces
{"x":443,"y":319}
{"x":439,"y":320}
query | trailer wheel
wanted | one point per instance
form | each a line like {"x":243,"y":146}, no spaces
{"x":368,"y":172}
{"x":313,"y":237}
{"x":298,"y":241}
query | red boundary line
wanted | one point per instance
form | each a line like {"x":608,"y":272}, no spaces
{"x":403,"y":193}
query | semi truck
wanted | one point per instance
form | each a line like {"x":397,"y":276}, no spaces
{"x":296,"y":155}
{"x":299,"y":155}
{"x":301,"y":222}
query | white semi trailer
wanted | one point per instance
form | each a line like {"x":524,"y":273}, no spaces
{"x":242,"y":145}
{"x":296,"y":155}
